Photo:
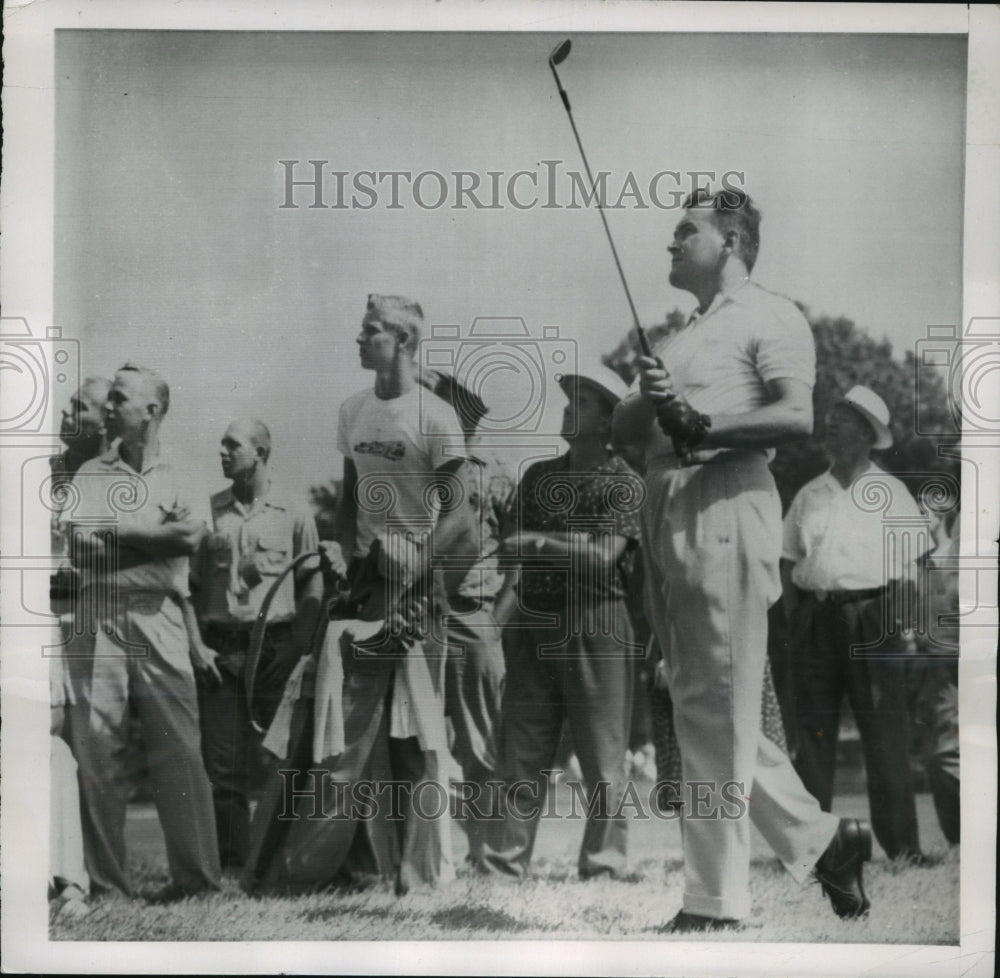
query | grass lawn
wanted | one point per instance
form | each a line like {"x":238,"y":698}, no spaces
{"x":910,"y":905}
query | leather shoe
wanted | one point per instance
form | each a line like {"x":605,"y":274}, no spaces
{"x":688,"y":923}
{"x":839,"y":869}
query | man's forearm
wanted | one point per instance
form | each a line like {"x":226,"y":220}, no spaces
{"x":89,"y":550}
{"x":764,"y":427}
{"x":171,"y":539}
{"x":597,"y":556}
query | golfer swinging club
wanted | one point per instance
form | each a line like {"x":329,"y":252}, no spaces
{"x":733,"y":383}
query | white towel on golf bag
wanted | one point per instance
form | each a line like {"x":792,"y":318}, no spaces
{"x":278,"y":734}
{"x":424,"y":688}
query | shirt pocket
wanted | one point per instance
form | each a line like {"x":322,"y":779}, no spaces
{"x":814,"y":524}
{"x":220,"y":551}
{"x":271,"y":554}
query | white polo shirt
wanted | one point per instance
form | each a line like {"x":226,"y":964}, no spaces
{"x":855,"y":538}
{"x":110,"y":493}
{"x":722,"y":359}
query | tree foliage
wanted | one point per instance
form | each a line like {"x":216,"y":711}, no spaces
{"x":846,"y":355}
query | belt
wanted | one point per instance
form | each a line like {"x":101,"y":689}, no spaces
{"x":241,"y":629}
{"x":706,"y":456}
{"x":847,"y":597}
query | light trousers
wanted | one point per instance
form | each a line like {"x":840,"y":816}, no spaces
{"x":154,"y":677}
{"x":711,"y":542}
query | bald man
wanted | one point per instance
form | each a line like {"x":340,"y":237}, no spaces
{"x":256,"y":532}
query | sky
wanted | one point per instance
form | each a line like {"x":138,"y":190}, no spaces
{"x":172,"y":247}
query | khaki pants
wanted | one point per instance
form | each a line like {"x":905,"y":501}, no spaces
{"x":711,"y":539}
{"x":154,"y":675}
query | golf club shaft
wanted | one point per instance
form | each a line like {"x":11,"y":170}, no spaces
{"x":558,"y":55}
{"x":643,"y":339}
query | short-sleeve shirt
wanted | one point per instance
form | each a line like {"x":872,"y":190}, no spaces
{"x":397,"y":446}
{"x":856,"y":538}
{"x":111,"y":493}
{"x":722,"y":359}
{"x":552,"y":499}
{"x":245,"y":552}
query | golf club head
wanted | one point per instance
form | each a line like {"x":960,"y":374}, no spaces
{"x":560,"y":52}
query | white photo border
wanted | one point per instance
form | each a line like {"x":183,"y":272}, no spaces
{"x":27,"y":291}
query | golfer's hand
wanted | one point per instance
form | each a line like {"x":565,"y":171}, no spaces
{"x":686,"y":427}
{"x":331,"y":559}
{"x":203,"y":661}
{"x":654,"y":381}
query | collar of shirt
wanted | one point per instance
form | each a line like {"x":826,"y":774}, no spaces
{"x":112,"y":459}
{"x":226,"y":499}
{"x":719,"y":300}
{"x":829,"y":481}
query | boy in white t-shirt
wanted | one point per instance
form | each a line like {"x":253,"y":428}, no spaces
{"x":402,"y":448}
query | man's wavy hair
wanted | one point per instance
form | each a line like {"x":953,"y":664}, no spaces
{"x":733,"y":210}
{"x":157,"y":385}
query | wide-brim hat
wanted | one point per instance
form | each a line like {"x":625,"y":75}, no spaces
{"x":874,"y":410}
{"x":610,"y":385}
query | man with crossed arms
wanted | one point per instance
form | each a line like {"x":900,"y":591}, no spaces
{"x":721,"y":393}
{"x":130,"y":646}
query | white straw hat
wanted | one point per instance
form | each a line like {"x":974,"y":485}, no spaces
{"x":601,"y":377}
{"x":873,"y":409}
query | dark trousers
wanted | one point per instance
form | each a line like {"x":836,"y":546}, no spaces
{"x":875,"y":686}
{"x":934,"y":699}
{"x":474,"y":681}
{"x":587,"y":680}
{"x":229,"y":743}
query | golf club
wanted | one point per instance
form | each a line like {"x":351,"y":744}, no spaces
{"x":559,"y":54}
